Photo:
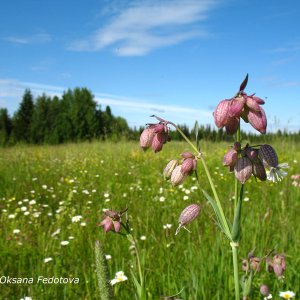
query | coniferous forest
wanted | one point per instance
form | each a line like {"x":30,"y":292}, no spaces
{"x":76,"y":116}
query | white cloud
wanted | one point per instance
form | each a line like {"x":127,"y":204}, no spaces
{"x":39,"y":38}
{"x":146,"y":25}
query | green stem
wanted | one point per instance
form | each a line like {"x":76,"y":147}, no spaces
{"x":234,"y":248}
{"x":236,"y":183}
{"x":224,"y":221}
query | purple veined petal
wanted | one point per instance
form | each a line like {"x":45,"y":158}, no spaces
{"x":187,"y":155}
{"x":268,"y":155}
{"x":221,"y":113}
{"x":177,"y":177}
{"x":117,"y":226}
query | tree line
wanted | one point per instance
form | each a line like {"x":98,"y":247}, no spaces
{"x":76,"y":116}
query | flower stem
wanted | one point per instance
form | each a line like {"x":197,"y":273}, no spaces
{"x":234,"y":247}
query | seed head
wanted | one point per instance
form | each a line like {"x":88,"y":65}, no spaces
{"x":243,"y":169}
{"x":268,"y":155}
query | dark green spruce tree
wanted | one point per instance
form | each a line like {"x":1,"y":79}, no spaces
{"x":5,"y":127}
{"x":23,"y":117}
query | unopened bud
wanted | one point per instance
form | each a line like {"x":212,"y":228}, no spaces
{"x":189,"y":214}
{"x":232,"y":125}
{"x":259,"y":170}
{"x":258,"y":120}
{"x":230,"y":158}
{"x":172,"y":164}
{"x":254,"y":263}
{"x":221,"y":113}
{"x":268,"y":155}
{"x":236,"y":107}
{"x":187,"y":155}
{"x":252,"y":104}
{"x":243,"y":169}
{"x":177,"y":177}
{"x":158,"y":141}
{"x":264,"y":290}
{"x":146,"y":138}
{"x":188,"y":166}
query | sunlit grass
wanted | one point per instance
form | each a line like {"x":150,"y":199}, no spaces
{"x":52,"y":199}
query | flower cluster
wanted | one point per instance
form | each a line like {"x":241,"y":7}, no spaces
{"x":112,"y":221}
{"x":261,"y":161}
{"x":229,"y":111}
{"x":296,"y":180}
{"x":252,"y":263}
{"x":178,"y":172}
{"x":155,"y":136}
{"x":277,"y":265}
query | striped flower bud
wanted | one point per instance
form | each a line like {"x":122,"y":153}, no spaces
{"x":259,"y":170}
{"x":230,"y":158}
{"x":158,"y":141}
{"x":252,"y":104}
{"x":146,"y":138}
{"x":232,"y":125}
{"x":243,"y":169}
{"x":188,"y":166}
{"x":279,"y":265}
{"x":187,"y":155}
{"x":177,"y":177}
{"x":236,"y":107}
{"x":172,"y":164}
{"x":189,"y":214}
{"x":221,"y":114}
{"x":258,"y":120}
{"x":268,"y":155}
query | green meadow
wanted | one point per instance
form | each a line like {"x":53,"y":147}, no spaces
{"x":42,"y":189}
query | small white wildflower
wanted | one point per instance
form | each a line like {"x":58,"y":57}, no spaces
{"x":44,"y":186}
{"x":86,"y":192}
{"x":23,"y":208}
{"x":143,"y":238}
{"x":71,"y":237}
{"x":107,"y":256}
{"x":82,"y":224}
{"x":94,"y":191}
{"x":185,"y":197}
{"x":11,"y":216}
{"x":119,"y":277}
{"x":287,"y":294}
{"x":167,"y":226}
{"x":32,"y":202}
{"x":64,"y":243}
{"x":246,"y":199}
{"x":34,"y":179}
{"x":106,"y":195}
{"x":47,"y":259}
{"x":26,"y":213}
{"x":187,"y":191}
{"x":26,"y":298}
{"x":56,"y":232}
{"x":162,"y":199}
{"x":76,"y":219}
{"x":276,"y":174}
{"x":16,"y":231}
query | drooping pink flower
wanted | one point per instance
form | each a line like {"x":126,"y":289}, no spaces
{"x":112,"y":221}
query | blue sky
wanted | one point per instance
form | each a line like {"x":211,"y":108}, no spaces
{"x":176,"y":59}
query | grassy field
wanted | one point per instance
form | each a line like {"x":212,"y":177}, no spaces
{"x":43,"y":187}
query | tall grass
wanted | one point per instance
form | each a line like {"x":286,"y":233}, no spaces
{"x":83,"y":179}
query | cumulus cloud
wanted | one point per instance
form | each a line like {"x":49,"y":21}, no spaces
{"x":143,"y":26}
